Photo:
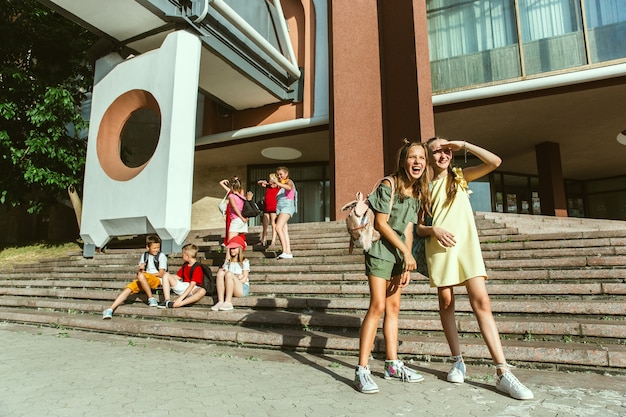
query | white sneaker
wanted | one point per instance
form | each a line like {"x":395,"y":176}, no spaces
{"x":285,"y":256}
{"x":457,"y":373}
{"x":152,"y":302}
{"x":507,"y":382}
{"x":217,"y":306}
{"x":397,"y":369}
{"x":363,"y":380}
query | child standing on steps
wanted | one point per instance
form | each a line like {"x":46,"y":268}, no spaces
{"x":286,"y":200}
{"x":389,"y":262}
{"x":152,"y":268}
{"x":454,"y":257}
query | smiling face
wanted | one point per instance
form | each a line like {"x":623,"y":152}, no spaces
{"x":282,"y":174}
{"x":154,"y":248}
{"x":415,"y":163}
{"x":439,"y":155}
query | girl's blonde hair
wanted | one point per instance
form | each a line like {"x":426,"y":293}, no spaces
{"x":451,"y":187}
{"x":240,"y":257}
{"x":420,"y":189}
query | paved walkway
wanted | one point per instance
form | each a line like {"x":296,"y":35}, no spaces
{"x":59,"y":372}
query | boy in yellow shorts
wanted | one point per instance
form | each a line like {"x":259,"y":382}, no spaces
{"x":152,"y":269}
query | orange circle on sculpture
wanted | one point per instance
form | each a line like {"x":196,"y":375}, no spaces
{"x":114,"y":123}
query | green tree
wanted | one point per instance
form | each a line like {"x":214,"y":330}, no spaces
{"x":44,"y":75}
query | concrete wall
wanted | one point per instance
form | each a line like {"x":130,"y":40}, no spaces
{"x":207,"y":194}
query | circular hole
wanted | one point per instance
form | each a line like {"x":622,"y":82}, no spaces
{"x":128,"y":134}
{"x":140,"y":137}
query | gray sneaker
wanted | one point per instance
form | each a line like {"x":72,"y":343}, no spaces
{"x":508,"y":383}
{"x":457,"y":373}
{"x":107,"y":314}
{"x":363,"y":380}
{"x":397,"y":369}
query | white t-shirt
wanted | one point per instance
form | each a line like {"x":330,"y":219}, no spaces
{"x":236,"y":268}
{"x":150,"y":266}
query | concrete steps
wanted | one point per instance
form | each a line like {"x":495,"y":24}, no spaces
{"x":559,"y":298}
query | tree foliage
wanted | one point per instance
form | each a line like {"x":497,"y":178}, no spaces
{"x":44,"y":75}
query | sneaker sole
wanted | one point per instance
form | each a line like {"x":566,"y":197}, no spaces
{"x":504,"y":391}
{"x":400,"y":379}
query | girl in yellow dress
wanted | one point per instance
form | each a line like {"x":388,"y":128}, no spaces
{"x":454,"y":256}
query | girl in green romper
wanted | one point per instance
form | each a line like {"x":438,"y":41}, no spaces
{"x":389,"y":261}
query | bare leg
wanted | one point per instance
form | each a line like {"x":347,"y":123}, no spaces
{"x":263,"y":237}
{"x":448,"y":322}
{"x":283,"y":232}
{"x":390,"y":322}
{"x":220,"y":285}
{"x":143,"y":283}
{"x":481,"y":304}
{"x":167,"y":285}
{"x":378,"y":295}
{"x":120,"y":298}
{"x":273,"y":223}
{"x":196,"y":296}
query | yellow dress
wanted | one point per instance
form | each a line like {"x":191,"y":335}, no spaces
{"x":455,"y":265}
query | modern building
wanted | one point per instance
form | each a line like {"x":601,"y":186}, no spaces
{"x":330,"y":88}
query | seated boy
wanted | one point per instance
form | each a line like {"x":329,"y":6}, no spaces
{"x":152,"y":267}
{"x":189,"y":289}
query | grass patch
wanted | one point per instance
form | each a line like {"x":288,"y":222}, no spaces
{"x":26,"y":254}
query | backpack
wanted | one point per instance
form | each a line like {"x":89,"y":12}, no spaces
{"x":250,"y":208}
{"x":208,"y":280}
{"x":360,"y":220}
{"x":145,"y":257}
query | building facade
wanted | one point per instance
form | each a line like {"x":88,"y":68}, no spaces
{"x":330,"y":88}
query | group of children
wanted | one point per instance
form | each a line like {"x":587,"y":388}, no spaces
{"x":430,"y":211}
{"x":188,"y":283}
{"x":280,"y":204}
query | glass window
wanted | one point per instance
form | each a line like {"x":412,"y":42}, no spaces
{"x":606,"y":23}
{"x":552,"y":36}
{"x":471,"y":42}
{"x":480,"y":199}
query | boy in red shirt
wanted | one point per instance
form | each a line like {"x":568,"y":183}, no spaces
{"x":188,"y":288}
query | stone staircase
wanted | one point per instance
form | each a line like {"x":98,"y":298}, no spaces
{"x":559,"y":298}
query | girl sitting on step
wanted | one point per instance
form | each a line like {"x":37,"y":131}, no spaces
{"x":232,"y":278}
{"x":389,"y":261}
{"x":454,"y":256}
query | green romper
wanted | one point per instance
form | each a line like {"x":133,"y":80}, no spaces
{"x":402,"y":213}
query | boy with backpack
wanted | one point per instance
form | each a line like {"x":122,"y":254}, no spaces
{"x":190,"y":285}
{"x":151,"y":271}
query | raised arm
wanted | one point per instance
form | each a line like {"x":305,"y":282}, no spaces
{"x":225,"y":184}
{"x":490,"y":161}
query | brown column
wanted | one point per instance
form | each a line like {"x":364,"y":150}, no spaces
{"x":551,"y":183}
{"x":356,"y":125}
{"x":407,"y":91}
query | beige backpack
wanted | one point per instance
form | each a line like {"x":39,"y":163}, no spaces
{"x":360,"y":220}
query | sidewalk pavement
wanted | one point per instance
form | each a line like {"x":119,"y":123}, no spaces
{"x":60,"y":372}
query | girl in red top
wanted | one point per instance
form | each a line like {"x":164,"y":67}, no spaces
{"x":269,"y":211}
